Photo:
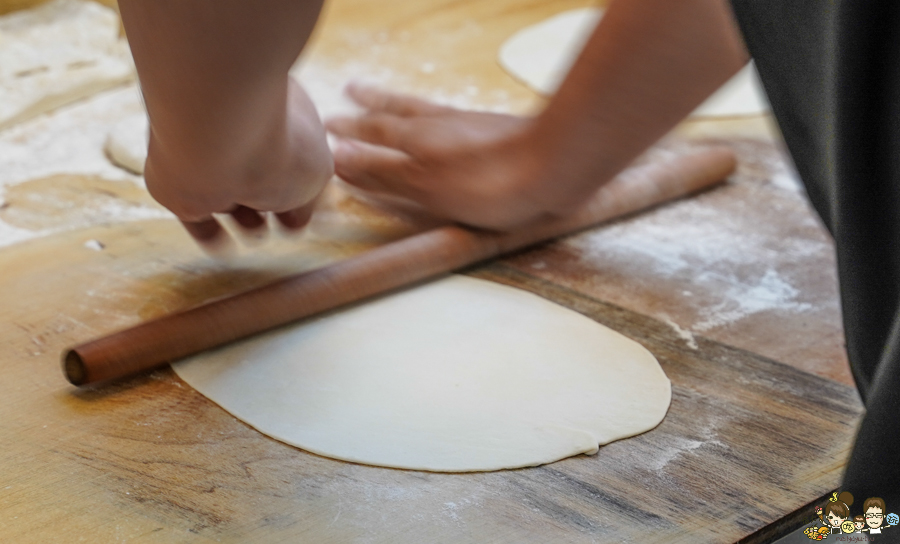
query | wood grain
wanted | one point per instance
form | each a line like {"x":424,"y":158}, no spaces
{"x":152,"y":461}
{"x":746,"y":440}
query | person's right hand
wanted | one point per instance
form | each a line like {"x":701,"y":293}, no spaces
{"x":280,"y":168}
{"x":230,"y":131}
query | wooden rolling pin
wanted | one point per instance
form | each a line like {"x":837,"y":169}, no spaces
{"x":397,"y":264}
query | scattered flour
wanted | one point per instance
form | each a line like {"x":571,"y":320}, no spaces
{"x":69,"y":141}
{"x":679,"y":446}
{"x":441,"y":499}
{"x":96,"y":245}
{"x":11,"y":235}
{"x":786,"y":178}
{"x":684,"y":334}
{"x":710,"y":250}
{"x":742,"y":300}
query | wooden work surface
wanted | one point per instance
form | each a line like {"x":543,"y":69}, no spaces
{"x":734,"y":291}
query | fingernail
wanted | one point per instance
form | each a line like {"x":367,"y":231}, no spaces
{"x":333,"y":124}
{"x":248,"y":218}
{"x":344,"y":148}
{"x":295,"y":220}
{"x":219,"y":247}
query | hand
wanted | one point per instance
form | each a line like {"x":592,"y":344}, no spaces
{"x":641,"y":72}
{"x":280,"y":168}
{"x":482,"y":169}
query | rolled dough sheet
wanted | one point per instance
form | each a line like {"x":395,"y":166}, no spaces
{"x":456,"y":375}
{"x":56,"y":54}
{"x":541,"y":55}
{"x":126,"y":144}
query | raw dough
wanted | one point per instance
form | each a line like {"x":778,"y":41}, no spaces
{"x":126,"y":145}
{"x":455,"y":375}
{"x":58,"y":53}
{"x":741,"y":95}
{"x":542,"y":54}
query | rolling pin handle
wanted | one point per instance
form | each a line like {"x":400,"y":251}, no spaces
{"x":74,"y":368}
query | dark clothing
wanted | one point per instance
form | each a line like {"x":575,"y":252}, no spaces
{"x":831,"y":69}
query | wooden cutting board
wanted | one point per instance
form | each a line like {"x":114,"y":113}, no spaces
{"x":746,"y":442}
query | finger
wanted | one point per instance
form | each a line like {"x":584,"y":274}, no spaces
{"x":374,"y":168}
{"x":295,"y":220}
{"x":205,"y":231}
{"x":376,"y":99}
{"x":248,"y":218}
{"x":210,"y":235}
{"x":381,"y":129}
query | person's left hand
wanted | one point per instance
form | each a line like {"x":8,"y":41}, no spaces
{"x":481,"y":169}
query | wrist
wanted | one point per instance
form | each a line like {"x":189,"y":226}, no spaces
{"x":555,"y":176}
{"x":219,"y":131}
{"x":278,"y":160}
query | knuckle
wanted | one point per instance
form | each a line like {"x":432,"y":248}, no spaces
{"x":185,"y":205}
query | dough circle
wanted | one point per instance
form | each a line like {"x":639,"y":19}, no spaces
{"x":126,"y":145}
{"x":58,"y":53}
{"x":541,"y":55}
{"x":456,"y":375}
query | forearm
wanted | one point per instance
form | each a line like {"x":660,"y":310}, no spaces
{"x":645,"y":68}
{"x":214,"y":72}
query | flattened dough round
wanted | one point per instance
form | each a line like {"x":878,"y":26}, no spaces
{"x":58,"y":53}
{"x":456,"y":375}
{"x":541,"y":55}
{"x":126,"y":145}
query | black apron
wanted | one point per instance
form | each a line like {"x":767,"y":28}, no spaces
{"x":831,"y":69}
